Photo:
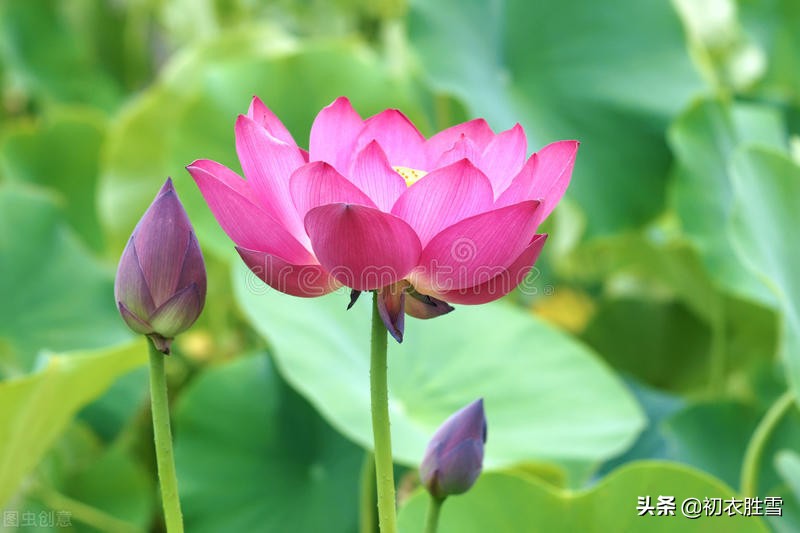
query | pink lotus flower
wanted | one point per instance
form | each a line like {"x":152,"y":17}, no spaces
{"x":373,"y":205}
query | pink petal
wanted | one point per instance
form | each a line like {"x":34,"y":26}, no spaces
{"x":362,"y":247}
{"x":444,"y":197}
{"x":334,"y":133}
{"x":226,"y":176}
{"x":306,"y":281}
{"x":476,"y":249}
{"x":247,"y":224}
{"x":504,"y":157}
{"x":263,"y":116}
{"x":504,"y":282}
{"x":267,"y":164}
{"x":391,"y":308}
{"x":318,"y":183}
{"x":464,"y":148}
{"x":372,"y":174}
{"x":399,"y":138}
{"x":477,"y":131}
{"x":545,"y":176}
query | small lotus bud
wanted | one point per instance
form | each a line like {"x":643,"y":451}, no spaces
{"x":161,"y":279}
{"x":454,"y":457}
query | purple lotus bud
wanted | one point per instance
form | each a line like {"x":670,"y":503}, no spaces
{"x":161,"y":279}
{"x":454,"y":457}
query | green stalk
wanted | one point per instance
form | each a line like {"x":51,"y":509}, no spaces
{"x":379,"y":396}
{"x":432,"y":519}
{"x":163,"y":441}
{"x":758,"y":441}
{"x":366,"y":516}
{"x":81,"y":512}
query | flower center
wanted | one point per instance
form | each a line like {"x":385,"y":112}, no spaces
{"x":411,"y":175}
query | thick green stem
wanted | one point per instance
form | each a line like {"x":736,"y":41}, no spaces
{"x":752,"y":456}
{"x":432,"y":520}
{"x":379,"y":395}
{"x":163,"y":442}
{"x":367,"y":521}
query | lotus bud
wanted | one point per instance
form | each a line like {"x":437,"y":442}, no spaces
{"x":454,"y":457}
{"x":160,"y":286}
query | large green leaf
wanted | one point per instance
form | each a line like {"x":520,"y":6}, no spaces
{"x":787,"y":463}
{"x":111,"y":412}
{"x":766,"y":215}
{"x":691,"y":431}
{"x":652,"y":443}
{"x":773,"y":24}
{"x":547,"y":397}
{"x":190,"y":113}
{"x":654,"y":266}
{"x":55,"y":296}
{"x":502,"y":503}
{"x":50,"y":55}
{"x":610,"y":74}
{"x":35,"y":409}
{"x":116,"y":485}
{"x":704,"y":139}
{"x":93,"y":487}
{"x":667,"y":349}
{"x":253,"y":456}
{"x":61,"y":152}
{"x":728,"y":58}
{"x":641,"y":270}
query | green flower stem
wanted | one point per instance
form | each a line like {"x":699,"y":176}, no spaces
{"x":379,"y":395}
{"x":366,"y":515}
{"x":752,"y":456}
{"x":163,"y":442}
{"x":432,"y":519}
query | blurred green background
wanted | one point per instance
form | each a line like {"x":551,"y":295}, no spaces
{"x":656,"y":330}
